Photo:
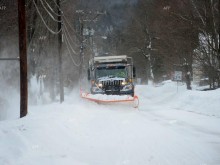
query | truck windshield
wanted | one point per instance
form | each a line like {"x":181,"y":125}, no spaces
{"x":115,"y":71}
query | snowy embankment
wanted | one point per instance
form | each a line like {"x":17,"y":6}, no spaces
{"x":177,"y":97}
{"x":163,"y":131}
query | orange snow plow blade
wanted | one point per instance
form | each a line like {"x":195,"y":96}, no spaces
{"x":100,"y":98}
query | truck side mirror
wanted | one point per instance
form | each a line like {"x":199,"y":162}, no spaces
{"x":134,"y":72}
{"x":88,"y":74}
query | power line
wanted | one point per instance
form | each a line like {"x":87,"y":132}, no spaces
{"x":68,"y":48}
{"x":69,"y":43}
{"x":48,"y":5}
{"x":65,"y":29}
{"x":53,"y":32}
{"x":57,"y":5}
{"x":69,"y":34}
{"x":41,"y":48}
{"x":42,"y":30}
{"x":65,"y":19}
{"x":33,"y":36}
{"x":48,"y":12}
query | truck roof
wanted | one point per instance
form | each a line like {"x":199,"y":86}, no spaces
{"x":105,"y":59}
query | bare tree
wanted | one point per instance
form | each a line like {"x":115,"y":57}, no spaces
{"x":206,"y":19}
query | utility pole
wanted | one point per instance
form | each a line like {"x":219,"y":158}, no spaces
{"x":85,"y":31}
{"x":60,"y":52}
{"x":81,"y":38}
{"x":218,"y":57}
{"x":82,"y":32}
{"x":81,"y":52}
{"x":23,"y":58}
{"x":219,"y":36}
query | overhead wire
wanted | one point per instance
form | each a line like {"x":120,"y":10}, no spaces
{"x":33,"y":36}
{"x":57,"y":5}
{"x":63,"y":22}
{"x":48,"y":5}
{"x":65,"y":28}
{"x":69,"y":50}
{"x":66,"y":32}
{"x":69,"y":43}
{"x":69,"y":46}
{"x":43,"y":30}
{"x":66,"y":35}
{"x":91,"y":49}
{"x":48,"y":28}
{"x":67,"y":20}
{"x":48,"y":12}
{"x":71,"y":57}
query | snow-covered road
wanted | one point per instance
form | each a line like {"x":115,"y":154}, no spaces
{"x":165,"y":130}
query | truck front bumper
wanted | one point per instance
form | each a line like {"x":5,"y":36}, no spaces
{"x":112,"y":90}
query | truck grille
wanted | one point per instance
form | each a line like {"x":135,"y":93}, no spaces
{"x":111,"y":83}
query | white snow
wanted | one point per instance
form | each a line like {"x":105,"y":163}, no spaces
{"x":107,"y":78}
{"x":170,"y":127}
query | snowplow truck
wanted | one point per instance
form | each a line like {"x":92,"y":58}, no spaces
{"x":111,"y":75}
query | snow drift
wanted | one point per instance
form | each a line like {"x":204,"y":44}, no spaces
{"x":166,"y":129}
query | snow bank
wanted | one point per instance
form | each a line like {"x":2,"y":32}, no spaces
{"x":173,"y":95}
{"x":9,"y":103}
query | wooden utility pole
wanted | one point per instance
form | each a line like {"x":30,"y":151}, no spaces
{"x":81,"y":53}
{"x":23,"y":58}
{"x":219,"y":33}
{"x":60,"y":52}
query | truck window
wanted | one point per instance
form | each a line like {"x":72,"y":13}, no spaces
{"x":112,"y":72}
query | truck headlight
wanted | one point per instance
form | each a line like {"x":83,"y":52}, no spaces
{"x":123,"y":83}
{"x":100,"y":85}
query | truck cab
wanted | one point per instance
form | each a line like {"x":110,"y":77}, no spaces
{"x":111,"y":75}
